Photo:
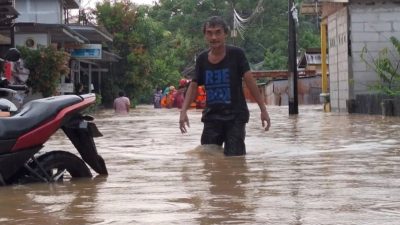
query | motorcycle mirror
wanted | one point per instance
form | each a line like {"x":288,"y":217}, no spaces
{"x":13,"y":55}
{"x":6,"y":104}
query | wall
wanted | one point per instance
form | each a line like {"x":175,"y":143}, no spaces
{"x":39,"y":39}
{"x":372,"y":24}
{"x":373,"y":104}
{"x":339,"y":60}
{"x":309,"y":89}
{"x":39,"y":11}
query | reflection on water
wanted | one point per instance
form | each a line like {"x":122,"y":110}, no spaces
{"x":226,"y":199}
{"x":312,"y":168}
{"x":68,"y":203}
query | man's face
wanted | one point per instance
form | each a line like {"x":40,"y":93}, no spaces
{"x":215,"y":36}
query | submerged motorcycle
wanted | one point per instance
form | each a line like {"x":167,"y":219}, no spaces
{"x":24,"y":133}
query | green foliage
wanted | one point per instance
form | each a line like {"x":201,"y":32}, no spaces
{"x":152,"y":56}
{"x":93,"y":108}
{"x":308,"y":36}
{"x":275,"y":60}
{"x":46,"y":66}
{"x":266,"y":32}
{"x":386,"y":65}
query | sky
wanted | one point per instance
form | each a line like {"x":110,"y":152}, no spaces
{"x":92,"y":3}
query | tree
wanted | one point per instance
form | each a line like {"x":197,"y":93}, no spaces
{"x":266,"y":32}
{"x":46,"y":65}
{"x":157,"y":43}
{"x":150,"y":53}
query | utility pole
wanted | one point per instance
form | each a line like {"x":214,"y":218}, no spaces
{"x":292,"y":59}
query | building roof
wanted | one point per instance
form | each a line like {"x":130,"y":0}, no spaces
{"x":280,"y":74}
{"x":59,"y":32}
{"x":106,"y":56}
{"x":110,"y":57}
{"x":71,"y":4}
{"x":311,"y":56}
{"x":75,"y":34}
{"x":94,"y":34}
{"x":322,"y":8}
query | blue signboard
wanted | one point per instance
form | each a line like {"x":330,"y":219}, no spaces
{"x":87,"y":51}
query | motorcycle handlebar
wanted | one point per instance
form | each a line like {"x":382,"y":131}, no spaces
{"x":17,"y":87}
{"x":7,"y":90}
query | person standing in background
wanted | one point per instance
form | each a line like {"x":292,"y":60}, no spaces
{"x":180,"y":94}
{"x":171,"y":97}
{"x":157,"y":98}
{"x":122,"y":104}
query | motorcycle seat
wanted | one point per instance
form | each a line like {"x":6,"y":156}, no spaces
{"x":33,"y":114}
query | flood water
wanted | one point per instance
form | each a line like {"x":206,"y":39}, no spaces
{"x":313,"y":168}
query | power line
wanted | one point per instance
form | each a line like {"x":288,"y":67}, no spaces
{"x":239,"y":23}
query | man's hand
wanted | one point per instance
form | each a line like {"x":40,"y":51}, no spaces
{"x":183,"y":118}
{"x":265,"y":118}
{"x":252,"y":86}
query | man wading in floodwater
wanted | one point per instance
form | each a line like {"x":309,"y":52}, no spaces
{"x":221,"y":69}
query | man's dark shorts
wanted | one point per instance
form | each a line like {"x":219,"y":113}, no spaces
{"x":230,"y":132}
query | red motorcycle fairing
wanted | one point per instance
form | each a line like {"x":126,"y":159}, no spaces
{"x":41,"y":134}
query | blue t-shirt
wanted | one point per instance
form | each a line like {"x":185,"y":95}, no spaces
{"x":223,"y":85}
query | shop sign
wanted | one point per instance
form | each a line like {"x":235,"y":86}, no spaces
{"x":87,"y":51}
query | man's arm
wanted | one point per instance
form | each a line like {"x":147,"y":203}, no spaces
{"x":191,"y":94}
{"x":252,"y":86}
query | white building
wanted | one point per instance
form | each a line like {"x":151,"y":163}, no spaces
{"x":351,"y":26}
{"x":46,"y":22}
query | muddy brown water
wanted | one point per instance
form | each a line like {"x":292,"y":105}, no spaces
{"x":313,"y":168}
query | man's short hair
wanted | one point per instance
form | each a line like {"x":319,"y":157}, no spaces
{"x":215,"y":21}
{"x":121,"y":93}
